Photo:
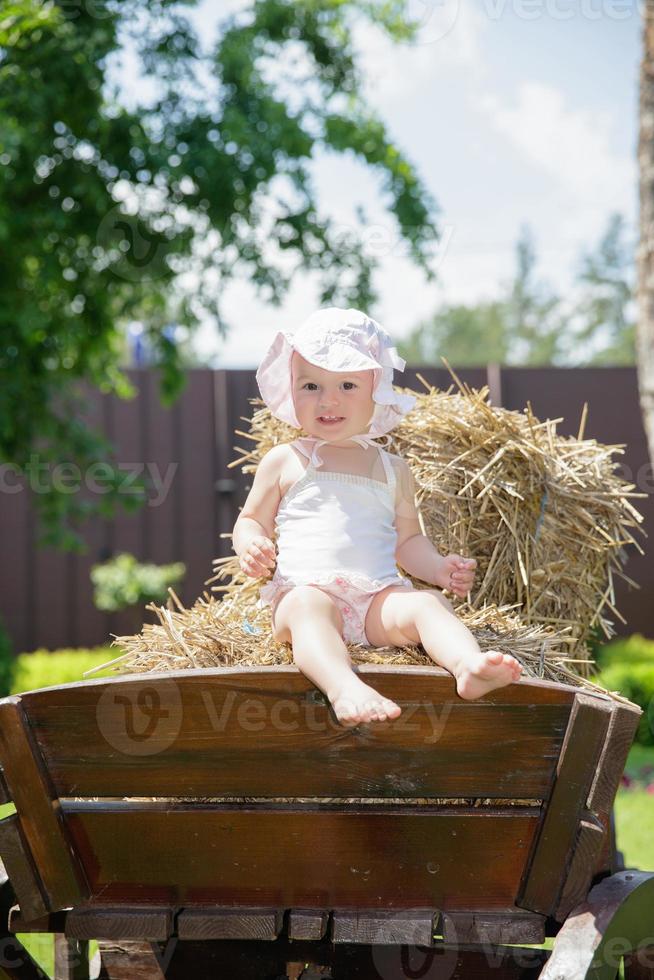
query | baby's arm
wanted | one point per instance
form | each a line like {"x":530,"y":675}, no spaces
{"x":415,"y":553}
{"x":254,"y":527}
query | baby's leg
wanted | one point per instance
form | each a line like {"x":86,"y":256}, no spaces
{"x":425,"y":616}
{"x":310,"y":620}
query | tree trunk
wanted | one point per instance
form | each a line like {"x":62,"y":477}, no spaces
{"x":645,"y":326}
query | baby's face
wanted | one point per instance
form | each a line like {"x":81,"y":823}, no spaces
{"x":318,"y":393}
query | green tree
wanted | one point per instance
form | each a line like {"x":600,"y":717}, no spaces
{"x":104,"y":207}
{"x":531,"y":325}
{"x":604,"y":315}
{"x":466,"y":335}
{"x":522,"y":327}
{"x":534,"y":326}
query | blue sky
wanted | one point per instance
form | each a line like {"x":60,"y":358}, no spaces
{"x":514,"y":112}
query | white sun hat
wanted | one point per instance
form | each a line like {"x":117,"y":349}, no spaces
{"x":336,"y":340}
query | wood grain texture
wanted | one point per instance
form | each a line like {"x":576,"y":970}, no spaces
{"x":395,"y":857}
{"x":591,"y":838}
{"x":307,"y":924}
{"x":5,"y":795}
{"x":131,"y":923}
{"x":619,"y":739}
{"x":414,"y":927}
{"x":510,"y":926}
{"x":38,"y":809}
{"x":553,"y":851}
{"x":217,"y":923}
{"x":20,"y":869}
{"x":257,"y":732}
{"x":137,"y":961}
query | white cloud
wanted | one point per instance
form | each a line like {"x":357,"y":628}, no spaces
{"x":449,"y":38}
{"x":575,"y":147}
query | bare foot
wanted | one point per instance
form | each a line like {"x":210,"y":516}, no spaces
{"x":355,"y":702}
{"x":492,"y":669}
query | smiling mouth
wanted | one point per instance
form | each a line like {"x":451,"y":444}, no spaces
{"x":325,"y":420}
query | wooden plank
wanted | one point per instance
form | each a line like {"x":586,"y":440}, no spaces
{"x":253,"y":960}
{"x":225,"y":482}
{"x":196,"y":478}
{"x":71,"y":959}
{"x":413,"y":927}
{"x":5,"y":796}
{"x":38,"y":810}
{"x":54,"y":922}
{"x":162,"y":454}
{"x":89,"y":625}
{"x":127,"y":960}
{"x":390,"y":856}
{"x":124,"y":421}
{"x":266,"y":732}
{"x":17,"y":536}
{"x":591,"y":837}
{"x":619,"y":738}
{"x":307,"y":924}
{"x":552,"y":854}
{"x":510,"y":926}
{"x":130,"y":923}
{"x":217,"y":923}
{"x":20,"y":868}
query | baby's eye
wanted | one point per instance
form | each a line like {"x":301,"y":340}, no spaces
{"x":350,"y":383}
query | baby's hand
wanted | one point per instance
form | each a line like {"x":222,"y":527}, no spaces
{"x":258,"y":558}
{"x":457,"y":574}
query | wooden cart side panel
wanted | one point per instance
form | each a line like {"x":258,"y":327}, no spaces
{"x":311,"y":858}
{"x":593,"y":848}
{"x":38,"y":810}
{"x":5,"y":795}
{"x":272,"y":735}
{"x":554,"y":849}
{"x":620,"y":736}
{"x":18,"y":863}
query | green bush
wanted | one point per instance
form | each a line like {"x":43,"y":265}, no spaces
{"x":45,"y":668}
{"x":634,"y":680}
{"x":634,"y":649}
{"x":6,"y":662}
{"x":122,"y":582}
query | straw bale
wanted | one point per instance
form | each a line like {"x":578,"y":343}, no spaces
{"x":547,"y":518}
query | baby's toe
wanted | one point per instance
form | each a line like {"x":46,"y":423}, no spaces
{"x":494,"y":656}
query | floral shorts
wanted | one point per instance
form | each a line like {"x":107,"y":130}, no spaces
{"x":352,"y":601}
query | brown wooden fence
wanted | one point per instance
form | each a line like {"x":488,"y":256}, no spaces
{"x":46,"y":595}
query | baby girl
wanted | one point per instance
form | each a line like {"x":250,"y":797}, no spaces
{"x":344,"y":513}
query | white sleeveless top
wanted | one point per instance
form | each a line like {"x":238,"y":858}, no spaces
{"x":332,"y":525}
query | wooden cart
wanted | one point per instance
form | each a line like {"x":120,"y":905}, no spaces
{"x":221,"y":823}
